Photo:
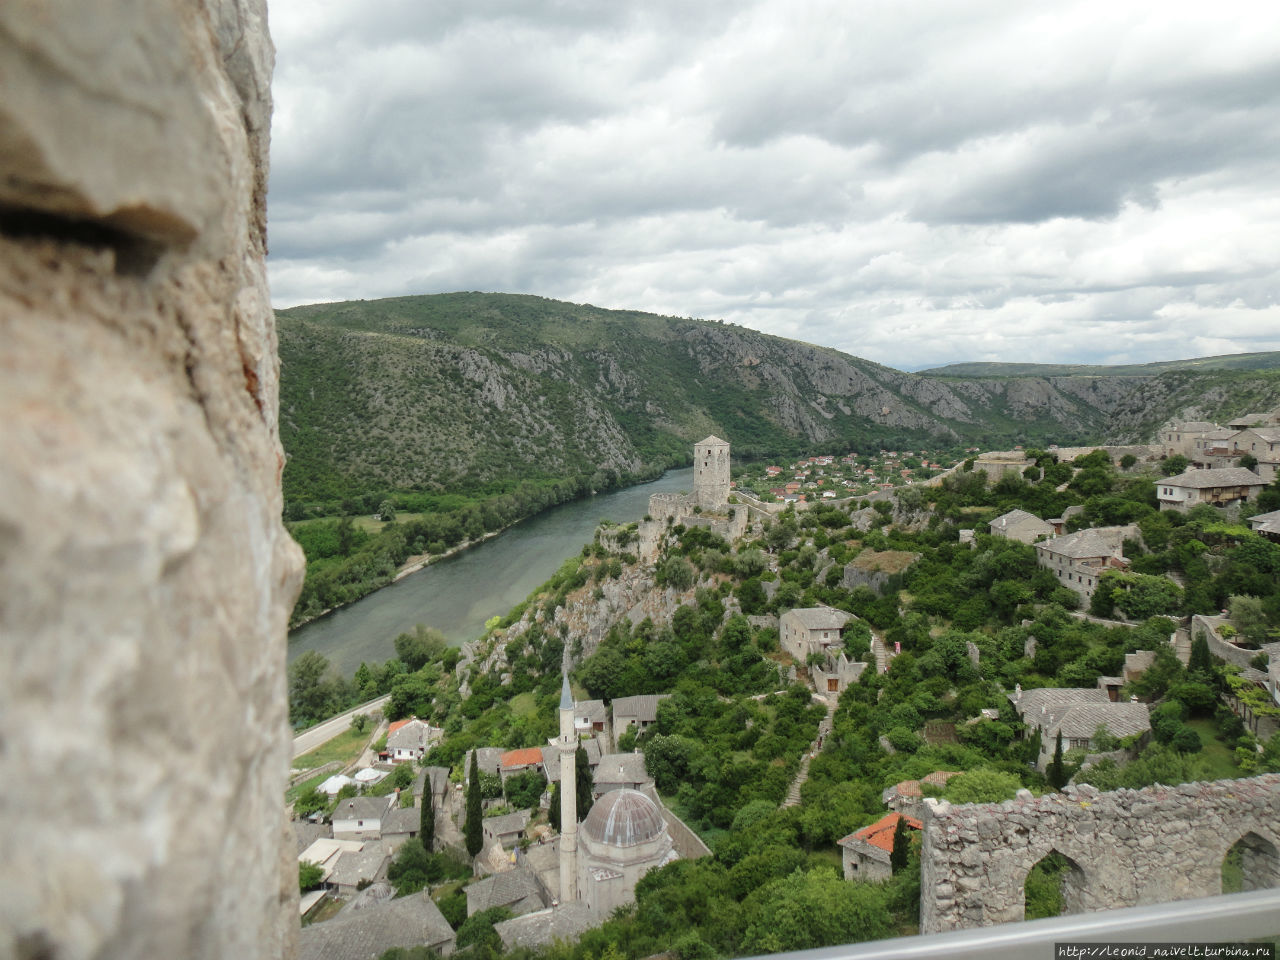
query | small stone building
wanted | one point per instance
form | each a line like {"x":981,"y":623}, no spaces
{"x":907,"y":796}
{"x":360,"y":818}
{"x":1077,"y":713}
{"x":1214,"y":487}
{"x":410,"y":739}
{"x":1020,"y":525}
{"x":1079,"y":559}
{"x":518,"y":890}
{"x":507,"y":830}
{"x":639,"y":711}
{"x":807,"y":630}
{"x":414,"y":920}
{"x":866,"y":853}
{"x":617,"y":771}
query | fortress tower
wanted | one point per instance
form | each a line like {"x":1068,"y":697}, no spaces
{"x":711,"y":474}
{"x":567,"y":743}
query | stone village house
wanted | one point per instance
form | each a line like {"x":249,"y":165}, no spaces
{"x":1077,"y":713}
{"x":866,"y":853}
{"x":1079,"y":558}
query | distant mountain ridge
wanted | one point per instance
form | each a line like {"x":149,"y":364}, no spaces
{"x":1228,"y":361}
{"x":472,"y":389}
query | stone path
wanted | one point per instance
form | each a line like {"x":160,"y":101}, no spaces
{"x":824,"y":730}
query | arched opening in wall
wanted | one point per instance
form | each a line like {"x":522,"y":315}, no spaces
{"x":1054,"y":886}
{"x":1251,"y":863}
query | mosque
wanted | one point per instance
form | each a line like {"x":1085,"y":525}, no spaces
{"x":622,"y":838}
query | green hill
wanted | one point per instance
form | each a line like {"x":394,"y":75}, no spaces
{"x":474,"y":392}
{"x":1230,"y":361}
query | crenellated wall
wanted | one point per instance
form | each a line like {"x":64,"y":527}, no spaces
{"x":1126,"y":848}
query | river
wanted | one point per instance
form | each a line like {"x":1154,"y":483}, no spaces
{"x":456,"y":596}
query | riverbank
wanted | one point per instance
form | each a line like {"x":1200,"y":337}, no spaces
{"x":412,"y":565}
{"x":456,"y":594}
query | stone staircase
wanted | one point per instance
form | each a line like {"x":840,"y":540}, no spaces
{"x":824,"y":730}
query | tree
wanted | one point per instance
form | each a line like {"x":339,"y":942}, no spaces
{"x":473,"y":830}
{"x":387,"y":511}
{"x":1249,"y":617}
{"x":583,"y":772}
{"x":816,"y":908}
{"x":1174,"y":465}
{"x":1127,"y":461}
{"x":359,"y":722}
{"x":1057,"y":773}
{"x":420,"y":647}
{"x":901,"y":846}
{"x":1248,"y":461}
{"x":984,"y":785}
{"x":427,"y":821}
{"x":1201,"y":660}
{"x":309,"y":875}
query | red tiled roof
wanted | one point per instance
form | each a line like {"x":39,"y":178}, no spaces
{"x":525,"y":757}
{"x":880,"y":833}
{"x":397,"y":724}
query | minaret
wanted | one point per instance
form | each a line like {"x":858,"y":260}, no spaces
{"x":568,"y":745}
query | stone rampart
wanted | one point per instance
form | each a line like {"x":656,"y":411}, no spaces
{"x":1125,"y":848}
{"x":145,"y":575}
{"x":1227,"y":652}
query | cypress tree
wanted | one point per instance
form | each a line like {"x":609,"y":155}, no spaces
{"x":471,"y":831}
{"x":901,"y":846}
{"x":1201,"y":660}
{"x":583,"y":771}
{"x":427,"y":825}
{"x":1056,"y":775}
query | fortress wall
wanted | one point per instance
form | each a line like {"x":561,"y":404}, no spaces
{"x":1129,"y":847}
{"x":145,"y":576}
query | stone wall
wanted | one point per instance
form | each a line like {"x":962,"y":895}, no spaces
{"x":1228,"y":652}
{"x":145,"y":576}
{"x":1127,"y":848}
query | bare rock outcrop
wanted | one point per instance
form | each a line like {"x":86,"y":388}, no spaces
{"x":145,"y":576}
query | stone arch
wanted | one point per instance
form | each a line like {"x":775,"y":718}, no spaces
{"x":1071,"y":880}
{"x":1257,"y":861}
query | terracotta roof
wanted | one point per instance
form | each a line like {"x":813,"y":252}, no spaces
{"x":397,"y":724}
{"x":524,"y":757}
{"x":880,"y":833}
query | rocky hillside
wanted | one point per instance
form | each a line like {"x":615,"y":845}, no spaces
{"x":434,"y":392}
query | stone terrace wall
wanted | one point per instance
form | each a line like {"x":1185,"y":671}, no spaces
{"x":1129,"y":847}
{"x":145,"y":576}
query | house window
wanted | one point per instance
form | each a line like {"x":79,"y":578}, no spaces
{"x":359,"y":823}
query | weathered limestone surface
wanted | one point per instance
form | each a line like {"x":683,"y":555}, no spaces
{"x":1127,"y":847}
{"x":145,"y":577}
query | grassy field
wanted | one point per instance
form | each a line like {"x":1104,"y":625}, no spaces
{"x":375,"y":526}
{"x":305,"y":786}
{"x":524,"y":704}
{"x":344,"y":748}
{"x":1220,"y":758}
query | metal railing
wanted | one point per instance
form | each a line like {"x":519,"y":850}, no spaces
{"x":1226,"y":919}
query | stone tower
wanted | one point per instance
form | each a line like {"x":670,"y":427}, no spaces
{"x":567,"y":743}
{"x":711,"y":474}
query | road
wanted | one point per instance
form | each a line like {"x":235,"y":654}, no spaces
{"x":324,"y":732}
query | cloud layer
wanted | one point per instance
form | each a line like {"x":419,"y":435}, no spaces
{"x":915,"y":183}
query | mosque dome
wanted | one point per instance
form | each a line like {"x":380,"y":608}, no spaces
{"x":623,"y":818}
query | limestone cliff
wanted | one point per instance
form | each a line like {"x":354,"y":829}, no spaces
{"x":145,"y":577}
{"x":456,"y":390}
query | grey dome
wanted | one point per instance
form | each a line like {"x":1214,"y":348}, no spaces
{"x":623,"y":818}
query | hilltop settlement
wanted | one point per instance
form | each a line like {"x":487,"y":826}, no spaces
{"x":765,"y":718}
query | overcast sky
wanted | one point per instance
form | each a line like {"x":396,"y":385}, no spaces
{"x":913,"y":183}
